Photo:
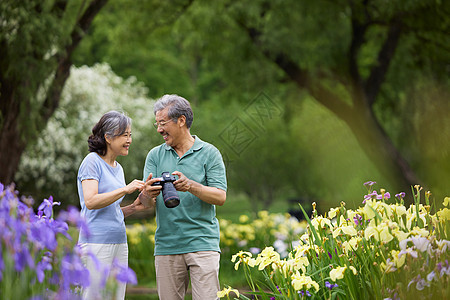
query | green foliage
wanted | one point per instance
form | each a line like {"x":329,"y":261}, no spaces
{"x":382,"y":249}
{"x":201,"y":50}
{"x":53,"y":161}
{"x":32,"y":37}
{"x":250,"y":233}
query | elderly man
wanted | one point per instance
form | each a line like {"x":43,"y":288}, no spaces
{"x":187,"y":236}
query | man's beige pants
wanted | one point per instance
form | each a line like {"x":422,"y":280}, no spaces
{"x":173,"y":272}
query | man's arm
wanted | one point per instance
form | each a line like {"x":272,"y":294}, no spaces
{"x":208,"y":194}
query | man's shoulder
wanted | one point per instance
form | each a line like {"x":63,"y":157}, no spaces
{"x":205,"y":145}
{"x":156,"y":150}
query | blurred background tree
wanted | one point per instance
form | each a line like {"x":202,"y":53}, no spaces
{"x":358,"y":89}
{"x":50,"y":166}
{"x":37,"y":39}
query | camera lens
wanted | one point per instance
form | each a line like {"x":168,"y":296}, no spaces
{"x":170,"y":195}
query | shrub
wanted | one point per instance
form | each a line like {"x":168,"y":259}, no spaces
{"x":39,"y":258}
{"x":380,"y":250}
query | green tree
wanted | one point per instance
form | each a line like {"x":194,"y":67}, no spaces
{"x":52,"y":162}
{"x":356,"y":58}
{"x":37,"y":39}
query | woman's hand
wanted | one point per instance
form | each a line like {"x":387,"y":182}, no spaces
{"x":133,"y":186}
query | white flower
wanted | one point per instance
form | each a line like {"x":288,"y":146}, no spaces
{"x":421,"y":243}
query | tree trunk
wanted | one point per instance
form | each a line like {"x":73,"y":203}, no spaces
{"x":11,"y":142}
{"x":12,"y":104}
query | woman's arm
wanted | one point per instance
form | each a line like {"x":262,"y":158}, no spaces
{"x":94,"y":200}
{"x":146,"y":199}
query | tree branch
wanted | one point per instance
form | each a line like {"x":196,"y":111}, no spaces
{"x":64,"y":59}
{"x":378,"y":72}
{"x":359,"y":29}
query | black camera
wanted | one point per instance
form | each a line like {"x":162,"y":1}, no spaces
{"x":169,"y":192}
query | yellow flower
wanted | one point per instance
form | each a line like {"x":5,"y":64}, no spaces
{"x":399,"y":210}
{"x":320,"y":222}
{"x":243,"y":256}
{"x":400,"y":235}
{"x":267,"y":257}
{"x":380,"y":232}
{"x":263,"y":214}
{"x":226,"y":292}
{"x":446,"y":201}
{"x":300,"y":262}
{"x":389,"y":266}
{"x":398,"y":260}
{"x":333,"y":212}
{"x":349,"y":230}
{"x":419,"y":231}
{"x":243,"y":218}
{"x":444,"y":214}
{"x":350,"y":245}
{"x":338,"y":273}
{"x":301,"y":281}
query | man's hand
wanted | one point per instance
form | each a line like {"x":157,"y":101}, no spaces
{"x":139,"y":206}
{"x":183,"y":184}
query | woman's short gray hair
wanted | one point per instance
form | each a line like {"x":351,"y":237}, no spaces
{"x":178,"y":106}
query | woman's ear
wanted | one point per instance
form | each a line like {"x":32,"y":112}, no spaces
{"x":107,"y":139}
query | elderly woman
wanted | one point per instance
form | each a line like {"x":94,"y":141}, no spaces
{"x":101,"y":188}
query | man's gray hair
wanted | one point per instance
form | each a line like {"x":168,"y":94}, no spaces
{"x":178,"y":106}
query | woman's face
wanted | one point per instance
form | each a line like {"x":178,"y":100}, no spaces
{"x":120,"y":144}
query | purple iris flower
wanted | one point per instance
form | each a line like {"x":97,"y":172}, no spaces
{"x":372,"y":195}
{"x":369,"y":183}
{"x":42,"y":266}
{"x":303,"y":293}
{"x":357,"y":219}
{"x":73,"y":216}
{"x":42,"y":235}
{"x":330,"y":286}
{"x":61,"y":227}
{"x":22,"y":257}
{"x":73,"y":271}
{"x":386,"y":195}
{"x":124,"y":274}
{"x":400,"y":195}
{"x":47,"y":206}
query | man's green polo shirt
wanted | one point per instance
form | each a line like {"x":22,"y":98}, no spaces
{"x":191,"y":226}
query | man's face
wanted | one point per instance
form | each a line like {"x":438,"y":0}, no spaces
{"x":169,"y":129}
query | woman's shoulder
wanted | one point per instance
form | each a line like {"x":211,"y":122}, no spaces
{"x":91,"y":159}
{"x":92,"y":156}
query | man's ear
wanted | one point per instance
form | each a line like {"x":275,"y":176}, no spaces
{"x":181,"y":121}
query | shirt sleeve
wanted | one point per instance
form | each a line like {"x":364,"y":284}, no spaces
{"x":89,"y":169}
{"x":215,"y":171}
{"x":150,"y":164}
